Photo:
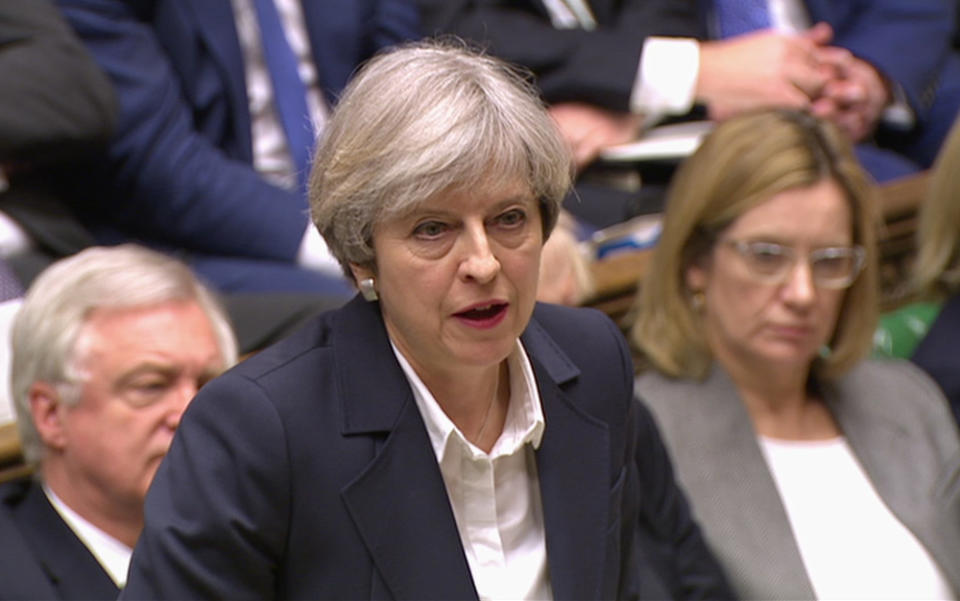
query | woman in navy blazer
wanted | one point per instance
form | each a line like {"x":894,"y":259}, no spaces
{"x":439,"y":437}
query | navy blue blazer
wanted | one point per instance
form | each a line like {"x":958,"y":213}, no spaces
{"x":40,"y":557}
{"x":307,"y":472}
{"x":179,"y":169}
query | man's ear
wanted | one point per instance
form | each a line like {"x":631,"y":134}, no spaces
{"x":47,"y":412}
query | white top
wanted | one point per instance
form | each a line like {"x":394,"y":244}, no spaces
{"x":496,"y":497}
{"x":113,"y":555}
{"x":852,"y":545}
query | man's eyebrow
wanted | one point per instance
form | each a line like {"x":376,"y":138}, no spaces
{"x":148,"y":367}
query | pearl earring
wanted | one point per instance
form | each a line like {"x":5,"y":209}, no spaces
{"x":368,"y":289}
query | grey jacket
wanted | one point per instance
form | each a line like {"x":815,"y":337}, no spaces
{"x":895,"y":420}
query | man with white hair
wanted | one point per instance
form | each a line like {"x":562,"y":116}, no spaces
{"x":109,"y":347}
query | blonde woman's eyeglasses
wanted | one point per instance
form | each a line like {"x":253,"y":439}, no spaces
{"x":832,"y":267}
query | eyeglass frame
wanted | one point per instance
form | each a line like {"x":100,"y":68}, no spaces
{"x":743,"y":249}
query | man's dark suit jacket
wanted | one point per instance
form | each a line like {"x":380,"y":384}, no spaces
{"x":56,"y":109}
{"x":597,"y":67}
{"x":40,"y":557}
{"x":179,"y":171}
{"x":307,"y":472}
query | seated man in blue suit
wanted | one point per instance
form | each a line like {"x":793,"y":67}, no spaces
{"x":896,"y":88}
{"x":108,"y":348}
{"x":201,"y":163}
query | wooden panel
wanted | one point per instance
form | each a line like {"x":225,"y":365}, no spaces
{"x":11,"y":460}
{"x":9,"y":443}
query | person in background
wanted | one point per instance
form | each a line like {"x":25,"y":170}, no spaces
{"x":936,"y":274}
{"x":814,"y":472}
{"x":442,"y":436}
{"x":896,"y":105}
{"x":109,"y":347}
{"x":219,"y":104}
{"x":607,"y":67}
{"x":57,"y":110}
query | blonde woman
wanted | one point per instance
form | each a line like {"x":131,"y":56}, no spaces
{"x":813,"y":472}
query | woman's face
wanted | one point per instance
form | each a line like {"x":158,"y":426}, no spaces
{"x":457,"y":277}
{"x":753,"y":320}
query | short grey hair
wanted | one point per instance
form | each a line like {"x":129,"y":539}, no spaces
{"x":426,"y":119}
{"x":45,"y":337}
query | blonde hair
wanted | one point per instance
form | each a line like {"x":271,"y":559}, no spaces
{"x":426,"y":119}
{"x":741,"y":164}
{"x":937,"y":267}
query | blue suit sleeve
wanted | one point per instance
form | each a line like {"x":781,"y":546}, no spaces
{"x":169,"y":182}
{"x":908,"y":42}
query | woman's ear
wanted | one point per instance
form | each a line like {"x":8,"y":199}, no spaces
{"x":360,"y":272}
{"x":696,"y":277}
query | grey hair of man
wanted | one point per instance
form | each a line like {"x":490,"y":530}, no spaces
{"x":48,"y":330}
{"x":424,"y":120}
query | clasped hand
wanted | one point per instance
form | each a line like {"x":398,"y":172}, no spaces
{"x":801,"y":71}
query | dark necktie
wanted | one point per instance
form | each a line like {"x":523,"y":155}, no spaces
{"x":735,"y":17}
{"x":289,"y":92}
{"x":9,"y":285}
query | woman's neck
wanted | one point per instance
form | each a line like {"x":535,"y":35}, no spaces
{"x":475,"y":401}
{"x":780,"y":404}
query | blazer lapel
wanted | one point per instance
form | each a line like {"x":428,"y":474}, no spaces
{"x":69,"y":565}
{"x":399,"y":502}
{"x":887,"y":450}
{"x":721,"y":467}
{"x":575,"y":520}
{"x":216,"y":24}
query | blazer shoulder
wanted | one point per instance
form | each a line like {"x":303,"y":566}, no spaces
{"x":584,"y":340}
{"x":899,"y":393}
{"x":577,"y":328}
{"x":313,"y":335}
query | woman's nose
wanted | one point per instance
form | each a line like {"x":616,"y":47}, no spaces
{"x":800,"y":287}
{"x":479,"y":262}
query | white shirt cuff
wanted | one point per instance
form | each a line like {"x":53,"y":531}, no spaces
{"x":666,"y":77}
{"x":898,"y":113}
{"x":315,"y":255}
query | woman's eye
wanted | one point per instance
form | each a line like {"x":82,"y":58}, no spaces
{"x":512,"y":217}
{"x":430,"y":229}
{"x":766,"y":253}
